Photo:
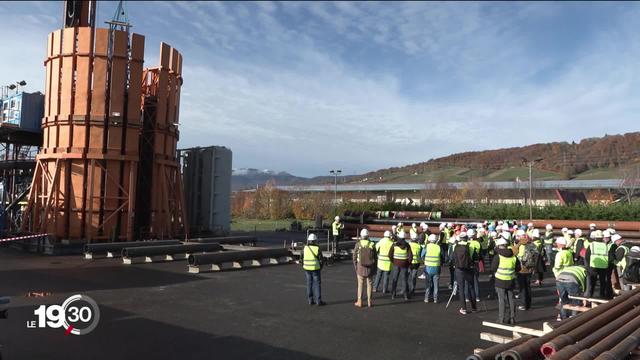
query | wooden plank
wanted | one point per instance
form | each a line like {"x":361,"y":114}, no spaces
{"x":161,"y":108}
{"x":520,"y":329}
{"x":135,"y":76}
{"x":173,"y":60}
{"x":83,"y":77}
{"x":165,"y":53}
{"x":601,"y":301}
{"x":120,"y":41}
{"x":84,"y":40}
{"x":137,"y":46}
{"x":118,"y":84}
{"x":47,"y":85}
{"x":98,"y":94}
{"x":576,"y":308}
{"x":171,"y":99}
{"x":499,"y":339}
{"x":68,"y":40}
{"x":55,"y":87}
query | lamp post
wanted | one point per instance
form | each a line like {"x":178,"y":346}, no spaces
{"x":335,"y":174}
{"x":530,"y":163}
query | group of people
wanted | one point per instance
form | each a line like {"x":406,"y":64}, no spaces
{"x":514,"y":253}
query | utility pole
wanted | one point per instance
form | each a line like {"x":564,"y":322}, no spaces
{"x":530,"y":163}
{"x":335,"y":174}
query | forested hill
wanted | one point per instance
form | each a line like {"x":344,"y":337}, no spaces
{"x":601,"y":157}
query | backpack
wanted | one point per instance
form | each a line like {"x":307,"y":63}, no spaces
{"x":462,"y":258}
{"x":632,"y":271}
{"x":366,"y":255}
{"x":531,"y":255}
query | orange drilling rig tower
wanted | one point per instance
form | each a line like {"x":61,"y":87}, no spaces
{"x":107,"y":168}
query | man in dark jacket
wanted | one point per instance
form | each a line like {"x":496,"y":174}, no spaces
{"x":463,"y":263}
{"x":505,"y":266}
{"x":401,"y":257}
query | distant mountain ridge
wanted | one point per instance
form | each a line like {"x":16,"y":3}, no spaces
{"x":250,"y":178}
{"x":592,"y":158}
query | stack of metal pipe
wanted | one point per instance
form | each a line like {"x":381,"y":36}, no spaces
{"x":609,"y":331}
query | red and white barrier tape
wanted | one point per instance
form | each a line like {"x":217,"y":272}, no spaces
{"x":23,"y":237}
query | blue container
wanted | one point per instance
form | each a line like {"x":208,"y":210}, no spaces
{"x":24,"y":110}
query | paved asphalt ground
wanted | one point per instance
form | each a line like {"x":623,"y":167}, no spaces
{"x":159,"y":311}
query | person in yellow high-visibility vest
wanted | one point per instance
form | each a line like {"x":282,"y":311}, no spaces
{"x":364,"y":262}
{"x":505,"y":265}
{"x":597,"y":262}
{"x":413,"y":231}
{"x":336,"y":233}
{"x":621,"y":259}
{"x":415,"y":262}
{"x":312,"y":265}
{"x":433,"y":259}
{"x":564,"y":257}
{"x":384,"y":263}
{"x":401,"y":258}
{"x":570,"y":281}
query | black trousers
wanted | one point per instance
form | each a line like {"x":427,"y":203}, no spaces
{"x":464,"y":278}
{"x":524,"y":283}
{"x":603,"y":276}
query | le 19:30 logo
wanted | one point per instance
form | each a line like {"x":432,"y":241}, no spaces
{"x":78,"y":315}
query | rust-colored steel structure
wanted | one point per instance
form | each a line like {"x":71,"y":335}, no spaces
{"x":161,"y":199}
{"x":88,"y":169}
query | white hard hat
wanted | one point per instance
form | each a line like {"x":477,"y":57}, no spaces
{"x":450,"y":224}
{"x":597,"y":234}
{"x":520,"y":232}
{"x":616,"y":237}
{"x":506,"y":235}
{"x":387,"y":234}
{"x":635,"y":249}
{"x":442,"y":225}
{"x":394,"y":227}
{"x":312,"y":237}
{"x":564,"y":230}
{"x":414,"y":225}
{"x":530,"y":225}
{"x":501,"y":241}
{"x":535,"y":233}
{"x":337,"y":218}
{"x":606,"y":234}
{"x":400,"y":224}
{"x":423,"y":225}
{"x":364,"y":233}
{"x":481,"y":230}
{"x":569,"y":232}
{"x":479,"y":225}
{"x":401,"y":235}
{"x":578,"y":232}
{"x":493,"y":234}
{"x":462,"y":235}
{"x":471,"y":232}
{"x":592,"y":225}
{"x":453,"y":239}
{"x":549,"y":227}
{"x":433,"y":238}
{"x":561,"y":241}
{"x":611,"y":231}
{"x":500,"y":222}
{"x":592,"y":235}
{"x":413,"y":236}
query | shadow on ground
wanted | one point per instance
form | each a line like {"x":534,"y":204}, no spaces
{"x":122,"y":335}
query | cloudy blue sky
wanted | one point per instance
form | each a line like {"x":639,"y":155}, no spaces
{"x":307,"y":87}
